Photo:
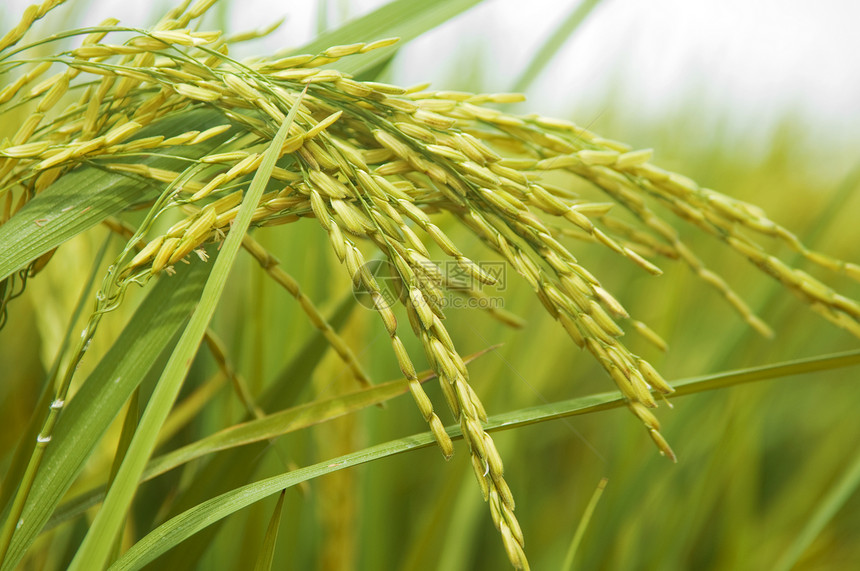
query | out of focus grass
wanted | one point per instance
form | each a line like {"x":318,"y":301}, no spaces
{"x":756,"y":462}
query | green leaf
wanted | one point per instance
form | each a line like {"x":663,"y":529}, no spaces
{"x":129,"y":426}
{"x":102,"y":396}
{"x":177,"y":529}
{"x":94,"y":551}
{"x":267,"y":554}
{"x":583,"y":525}
{"x":281,"y":392}
{"x":266,"y":428}
{"x":229,"y":470}
{"x":87,"y":195}
{"x":829,"y":506}
{"x":405,"y":19}
{"x":550,"y":47}
{"x":286,"y":421}
{"x":277,"y":424}
{"x":186,"y":524}
{"x":25,"y":446}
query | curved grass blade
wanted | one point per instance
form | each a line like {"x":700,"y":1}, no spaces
{"x":829,"y":506}
{"x":281,"y":391}
{"x":102,"y":396}
{"x":277,"y":424}
{"x":24,"y":449}
{"x":129,"y":425}
{"x":285,"y":421}
{"x":93,"y":552}
{"x":258,"y":430}
{"x":607,"y":401}
{"x":550,"y":47}
{"x":25,"y":462}
{"x":583,"y":525}
{"x":267,"y":554}
{"x":186,"y":524}
{"x":85,"y":196}
{"x":230,"y":470}
{"x":405,"y":19}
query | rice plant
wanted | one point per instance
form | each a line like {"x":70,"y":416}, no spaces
{"x":413,"y":201}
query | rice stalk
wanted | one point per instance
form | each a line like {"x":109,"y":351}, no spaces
{"x":370,"y":163}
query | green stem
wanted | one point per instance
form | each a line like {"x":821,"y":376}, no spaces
{"x":54,"y":408}
{"x":95,"y":549}
{"x":546,"y":52}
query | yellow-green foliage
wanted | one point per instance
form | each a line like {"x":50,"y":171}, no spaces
{"x":159,"y":137}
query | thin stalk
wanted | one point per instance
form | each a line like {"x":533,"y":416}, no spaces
{"x":107,"y":299}
{"x":128,"y":427}
{"x":94,"y":550}
{"x":44,"y":436}
{"x":829,"y":506}
{"x":546,"y":52}
{"x":583,"y":524}
{"x":271,"y":265}
{"x":193,"y":520}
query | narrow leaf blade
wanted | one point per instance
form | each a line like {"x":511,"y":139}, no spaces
{"x":405,"y":19}
{"x":102,"y":396}
{"x":267,"y":554}
{"x":94,"y":550}
{"x":186,"y":524}
{"x":87,"y":195}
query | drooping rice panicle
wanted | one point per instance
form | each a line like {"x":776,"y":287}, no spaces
{"x":382,"y":167}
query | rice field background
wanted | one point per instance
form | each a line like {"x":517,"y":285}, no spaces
{"x":767,"y":468}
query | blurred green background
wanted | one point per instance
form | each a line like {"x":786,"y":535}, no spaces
{"x":756,"y":462}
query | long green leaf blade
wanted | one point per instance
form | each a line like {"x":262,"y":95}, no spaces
{"x":277,"y":424}
{"x":258,"y":430}
{"x":24,"y":449}
{"x":267,"y":553}
{"x":405,"y":19}
{"x":547,"y":51}
{"x":186,"y":524}
{"x":95,"y":548}
{"x":567,"y":565}
{"x":280,"y":393}
{"x":190,"y":522}
{"x":101,"y":397}
{"x":228,"y":471}
{"x":841,"y":492}
{"x":84,"y":197}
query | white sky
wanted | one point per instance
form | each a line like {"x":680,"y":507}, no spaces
{"x":748,"y":62}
